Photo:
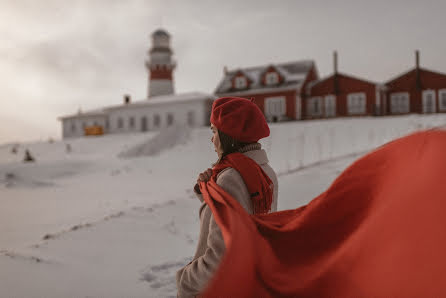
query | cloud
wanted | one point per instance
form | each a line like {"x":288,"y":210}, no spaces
{"x":58,"y":55}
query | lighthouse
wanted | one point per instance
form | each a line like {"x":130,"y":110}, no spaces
{"x":160,"y":65}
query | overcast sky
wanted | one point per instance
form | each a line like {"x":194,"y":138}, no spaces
{"x":57,"y":56}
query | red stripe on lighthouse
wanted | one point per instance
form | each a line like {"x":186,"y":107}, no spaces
{"x":165,"y":74}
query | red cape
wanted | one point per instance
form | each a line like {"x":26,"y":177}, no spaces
{"x":378,"y":231}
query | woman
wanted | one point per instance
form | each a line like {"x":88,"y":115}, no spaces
{"x":237,"y":124}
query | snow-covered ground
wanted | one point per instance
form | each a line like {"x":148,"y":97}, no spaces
{"x":116,"y":217}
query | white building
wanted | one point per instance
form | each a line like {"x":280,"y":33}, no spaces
{"x":160,"y":109}
{"x":74,"y":125}
{"x":191,"y":109}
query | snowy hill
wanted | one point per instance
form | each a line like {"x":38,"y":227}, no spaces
{"x":116,"y":217}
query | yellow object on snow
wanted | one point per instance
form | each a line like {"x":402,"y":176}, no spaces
{"x":95,"y":130}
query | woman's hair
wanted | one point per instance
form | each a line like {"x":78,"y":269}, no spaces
{"x":229,"y":144}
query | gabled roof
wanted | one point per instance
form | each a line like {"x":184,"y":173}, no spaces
{"x":294,"y":74}
{"x":395,"y":78}
{"x":340,"y":74}
{"x":413,"y":69}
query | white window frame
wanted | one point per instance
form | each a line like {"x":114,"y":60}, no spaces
{"x":330,"y":105}
{"x":275,"y":107}
{"x":311,"y":103}
{"x":240,"y":82}
{"x":271,"y":78}
{"x":397,"y":106}
{"x":298,"y":107}
{"x":441,"y":103}
{"x":424,"y":95}
{"x":356,"y":103}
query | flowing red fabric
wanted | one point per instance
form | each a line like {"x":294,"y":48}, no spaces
{"x":257,"y":181}
{"x":378,"y":231}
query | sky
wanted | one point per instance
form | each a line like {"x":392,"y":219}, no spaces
{"x":59,"y":56}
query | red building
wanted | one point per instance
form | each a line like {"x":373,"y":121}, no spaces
{"x":416,"y":91}
{"x":277,"y":89}
{"x":292,"y":91}
{"x":340,"y":95}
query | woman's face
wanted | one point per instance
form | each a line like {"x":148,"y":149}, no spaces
{"x":216,"y":140}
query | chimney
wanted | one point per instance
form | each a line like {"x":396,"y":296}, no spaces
{"x":417,"y":69}
{"x":335,"y":75}
{"x":335,"y":62}
{"x":417,"y":59}
{"x":126,"y":98}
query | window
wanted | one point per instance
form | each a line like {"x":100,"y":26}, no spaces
{"x":240,"y":83}
{"x":330,"y":106}
{"x":157,"y":120}
{"x":429,"y":103}
{"x":107,"y":124}
{"x":314,"y":106}
{"x":399,"y":103}
{"x":144,"y":123}
{"x":275,"y":107}
{"x":95,"y":123}
{"x":83,"y":125}
{"x":442,"y":100}
{"x":73,"y":127}
{"x":132,"y":122}
{"x":271,"y":78}
{"x":191,"y":118}
{"x":356,"y":103}
{"x":169,"y":119}
{"x":120,"y":123}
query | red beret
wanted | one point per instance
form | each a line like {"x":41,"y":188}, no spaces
{"x":239,"y":118}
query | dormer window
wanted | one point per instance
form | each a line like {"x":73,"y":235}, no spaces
{"x":240,"y":82}
{"x":271,"y":78}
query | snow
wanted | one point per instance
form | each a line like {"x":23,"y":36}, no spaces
{"x":117,"y":217}
{"x":170,"y":137}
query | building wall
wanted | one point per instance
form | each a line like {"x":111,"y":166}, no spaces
{"x":312,"y":75}
{"x":200,"y":113}
{"x":79,"y":123}
{"x":160,"y":87}
{"x":408,"y":83}
{"x":261,"y":98}
{"x":346,"y":85}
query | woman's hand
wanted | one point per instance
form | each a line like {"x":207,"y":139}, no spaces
{"x":205,"y":176}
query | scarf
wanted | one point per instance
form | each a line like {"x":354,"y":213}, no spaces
{"x":259,"y":185}
{"x":377,"y":231}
